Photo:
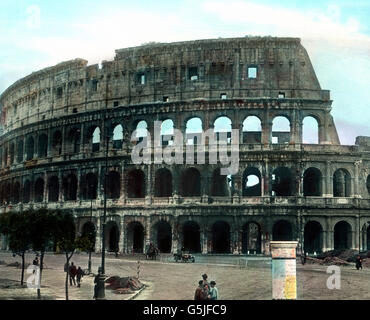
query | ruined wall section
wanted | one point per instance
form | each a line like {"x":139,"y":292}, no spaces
{"x":157,"y":73}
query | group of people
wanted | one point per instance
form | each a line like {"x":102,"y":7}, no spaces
{"x":74,"y":274}
{"x":205,"y":290}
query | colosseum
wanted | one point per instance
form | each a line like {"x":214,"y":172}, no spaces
{"x":67,"y":128}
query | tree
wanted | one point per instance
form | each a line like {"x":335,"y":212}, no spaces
{"x":16,"y":227}
{"x":42,"y":230}
{"x":67,"y":241}
{"x":88,"y":241}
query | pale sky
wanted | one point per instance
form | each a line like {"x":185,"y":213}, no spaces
{"x":336,"y":34}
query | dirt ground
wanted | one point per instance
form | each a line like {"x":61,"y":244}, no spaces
{"x":178,"y":281}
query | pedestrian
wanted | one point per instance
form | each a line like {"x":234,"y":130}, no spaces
{"x":97,"y":283}
{"x":304,"y":258}
{"x":199,"y":292}
{"x":72,"y":274}
{"x":358,"y":262}
{"x":213,"y":292}
{"x":79,"y":275}
{"x":206,"y":291}
{"x":35,"y":263}
{"x":205,"y":277}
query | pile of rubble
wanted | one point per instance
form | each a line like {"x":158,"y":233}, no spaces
{"x":126,"y":285}
{"x":339,"y":258}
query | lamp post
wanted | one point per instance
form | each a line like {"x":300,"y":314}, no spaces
{"x":101,"y":275}
{"x":91,"y":199}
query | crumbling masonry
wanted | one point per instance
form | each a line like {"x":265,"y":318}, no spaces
{"x":52,"y":149}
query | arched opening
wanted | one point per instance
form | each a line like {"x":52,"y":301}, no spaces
{"x":251,"y":238}
{"x":221,"y":237}
{"x":113,"y":185}
{"x":30,"y":144}
{"x":341,"y":183}
{"x":136,"y":184}
{"x":16,"y":192}
{"x":252,"y":130}
{"x":220,"y":186}
{"x":191,"y":237}
{"x":252,"y":182}
{"x":163,"y":183}
{"x":368,"y":184}
{"x":118,"y":136}
{"x":96,"y":140}
{"x":57,"y":143}
{"x":342,"y":236}
{"x":310,"y":130}
{"x":112,"y":240}
{"x":193,"y":131}
{"x":70,"y":187}
{"x":12,"y":153}
{"x":282,"y":184}
{"x":368,"y":238}
{"x":313,"y":237}
{"x":167,"y":127}
{"x":282,"y":231}
{"x":43,"y":145}
{"x":74,"y":140}
{"x":89,"y":186}
{"x":88,"y":230}
{"x":280,"y":130}
{"x":5,"y":156}
{"x":20,"y":151}
{"x":135,"y":237}
{"x":222,"y":129}
{"x":163,"y":236}
{"x":7,"y":192}
{"x":27,"y":191}
{"x":53,"y":189}
{"x":312,"y":183}
{"x":141,"y":130}
{"x":190,"y":183}
{"x":39,"y":190}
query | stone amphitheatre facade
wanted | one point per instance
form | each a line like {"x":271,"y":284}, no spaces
{"x":67,"y":127}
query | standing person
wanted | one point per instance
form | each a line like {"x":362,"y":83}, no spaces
{"x":213,"y":293}
{"x":35,"y":262}
{"x":199,"y":292}
{"x":72,"y":274}
{"x":206,"y":291}
{"x":358,"y":262}
{"x":205,"y":285}
{"x":79,"y":275}
{"x":205,"y":277}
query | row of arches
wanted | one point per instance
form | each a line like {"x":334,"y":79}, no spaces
{"x":190,"y":185}
{"x":30,"y":147}
{"x":220,"y":236}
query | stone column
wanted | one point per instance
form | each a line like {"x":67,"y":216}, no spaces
{"x":357,"y":192}
{"x":328,"y":178}
{"x":266,"y":131}
{"x":64,"y":140}
{"x":284,"y":281}
{"x":148,"y":184}
{"x":322,"y":134}
{"x":45,"y":199}
{"x":50,"y":142}
{"x":204,"y":240}
{"x":122,"y":236}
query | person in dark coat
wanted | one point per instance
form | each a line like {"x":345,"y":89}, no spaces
{"x":72,"y":274}
{"x":199,"y":292}
{"x":358,"y":263}
{"x":79,"y":275}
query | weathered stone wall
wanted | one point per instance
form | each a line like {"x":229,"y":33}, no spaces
{"x":46,"y":151}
